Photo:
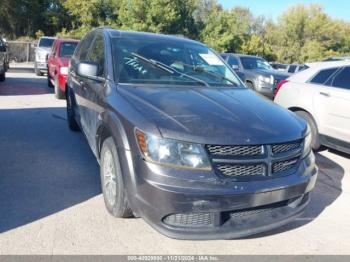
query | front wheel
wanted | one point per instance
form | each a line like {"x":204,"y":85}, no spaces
{"x":315,"y":139}
{"x":72,"y":123}
{"x":112,"y":183}
{"x":2,"y":77}
{"x":49,"y":83}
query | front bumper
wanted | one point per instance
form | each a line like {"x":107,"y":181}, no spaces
{"x":42,"y":66}
{"x":218,"y":209}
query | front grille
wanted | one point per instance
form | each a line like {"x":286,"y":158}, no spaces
{"x":283,"y":166}
{"x":235,"y":150}
{"x":189,"y":219}
{"x":258,"y":210}
{"x":242,"y":170}
{"x":286,"y":147}
{"x":255,"y":162}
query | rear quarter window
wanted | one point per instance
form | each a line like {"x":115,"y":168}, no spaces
{"x":322,"y":76}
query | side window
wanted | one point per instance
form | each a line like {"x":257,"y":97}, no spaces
{"x":292,"y":68}
{"x":97,"y":54}
{"x":232,"y":61}
{"x":83,"y":48}
{"x":53,"y":49}
{"x":323,"y":75}
{"x":342,"y":79}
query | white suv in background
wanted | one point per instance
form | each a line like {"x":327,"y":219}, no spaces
{"x":321,"y":95}
{"x":41,"y":52}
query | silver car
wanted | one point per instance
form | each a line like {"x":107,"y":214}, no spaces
{"x":41,"y":52}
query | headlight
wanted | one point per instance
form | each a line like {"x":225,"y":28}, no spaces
{"x":172,"y":153}
{"x":266,"y":79}
{"x":64,"y":70}
{"x":307,"y":142}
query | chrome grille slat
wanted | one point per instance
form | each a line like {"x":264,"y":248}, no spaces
{"x":286,"y":147}
{"x":282,"y":166}
{"x":242,"y":170}
{"x":235,"y":150}
{"x":243,"y":163}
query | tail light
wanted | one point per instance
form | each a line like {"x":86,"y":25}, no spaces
{"x":280,"y":84}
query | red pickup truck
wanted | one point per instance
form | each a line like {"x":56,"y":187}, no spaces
{"x":57,"y":65}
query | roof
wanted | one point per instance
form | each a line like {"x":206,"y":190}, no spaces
{"x":306,"y":74}
{"x":240,"y":55}
{"x":113,"y":33}
{"x":62,"y":40}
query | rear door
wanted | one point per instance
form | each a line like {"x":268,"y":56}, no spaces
{"x":337,"y":103}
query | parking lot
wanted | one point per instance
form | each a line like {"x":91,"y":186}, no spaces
{"x":51,"y":202}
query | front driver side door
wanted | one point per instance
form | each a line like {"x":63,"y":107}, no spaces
{"x":93,"y":90}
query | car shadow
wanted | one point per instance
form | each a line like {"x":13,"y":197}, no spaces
{"x":25,"y":85}
{"x":44,"y":167}
{"x":328,"y":188}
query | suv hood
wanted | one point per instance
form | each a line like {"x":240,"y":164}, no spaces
{"x":43,"y":50}
{"x":274,"y":73}
{"x":214,"y":116}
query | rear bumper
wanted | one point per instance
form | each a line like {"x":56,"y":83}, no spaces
{"x":217,"y":209}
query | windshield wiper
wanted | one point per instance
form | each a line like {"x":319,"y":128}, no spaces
{"x":201,"y":69}
{"x":168,"y":69}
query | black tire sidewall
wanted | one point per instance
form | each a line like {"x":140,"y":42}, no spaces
{"x":120,"y":208}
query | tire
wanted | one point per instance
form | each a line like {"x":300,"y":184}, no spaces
{"x":37,"y":71}
{"x":72,"y":123}
{"x":58,"y":92}
{"x":49,"y":83}
{"x":112,"y":183}
{"x":315,"y":139}
{"x":2,"y":77}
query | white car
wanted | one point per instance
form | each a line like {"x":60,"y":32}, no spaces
{"x":321,"y":95}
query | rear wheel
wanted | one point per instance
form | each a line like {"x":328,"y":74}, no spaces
{"x":59,"y":94}
{"x":49,"y":83}
{"x":315,"y":139}
{"x":114,"y":192}
{"x":72,"y":123}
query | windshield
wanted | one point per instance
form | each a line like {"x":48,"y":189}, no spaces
{"x":46,"y":42}
{"x":146,"y":61}
{"x":255,"y":63}
{"x":67,"y":49}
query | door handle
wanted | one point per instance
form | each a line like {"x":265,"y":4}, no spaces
{"x":325,"y":94}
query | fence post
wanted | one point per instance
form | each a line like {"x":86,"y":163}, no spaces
{"x":28,"y":52}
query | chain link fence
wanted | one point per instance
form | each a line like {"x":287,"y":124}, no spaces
{"x":19,"y":51}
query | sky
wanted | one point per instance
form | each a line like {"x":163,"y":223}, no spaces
{"x":339,"y":9}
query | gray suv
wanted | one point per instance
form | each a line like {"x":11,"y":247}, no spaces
{"x":255,"y":72}
{"x":181,"y":142}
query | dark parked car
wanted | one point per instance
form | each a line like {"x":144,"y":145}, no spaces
{"x":182,"y":142}
{"x":295,"y":68}
{"x":279,"y":67}
{"x":255,"y":72}
{"x":3,"y":60}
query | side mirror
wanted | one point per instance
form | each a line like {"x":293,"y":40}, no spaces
{"x":235,"y":67}
{"x":88,"y":69}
